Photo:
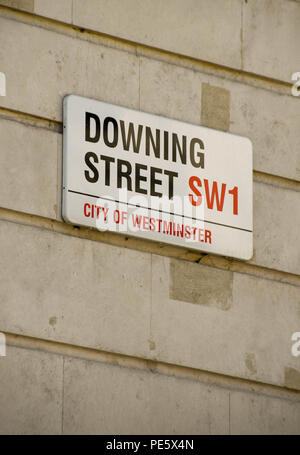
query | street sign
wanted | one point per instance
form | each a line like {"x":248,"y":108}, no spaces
{"x":156,"y":178}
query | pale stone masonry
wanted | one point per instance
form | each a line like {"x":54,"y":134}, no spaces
{"x":107,"y":334}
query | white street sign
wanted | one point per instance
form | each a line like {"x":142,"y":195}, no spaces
{"x":160,"y":179}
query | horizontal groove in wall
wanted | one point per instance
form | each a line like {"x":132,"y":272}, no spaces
{"x":52,"y":125}
{"x":120,"y":240}
{"x":31,"y":120}
{"x":276,"y":180}
{"x":239,"y":75}
{"x":152,"y":366}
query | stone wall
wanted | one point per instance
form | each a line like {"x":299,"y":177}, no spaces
{"x":108,"y":334}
